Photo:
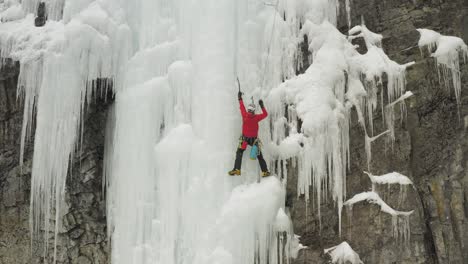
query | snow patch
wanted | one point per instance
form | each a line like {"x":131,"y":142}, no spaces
{"x":400,"y":219}
{"x":343,"y":254}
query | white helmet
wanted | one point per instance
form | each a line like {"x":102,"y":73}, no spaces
{"x":251,"y":108}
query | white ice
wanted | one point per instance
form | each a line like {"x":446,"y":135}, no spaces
{"x":400,"y":219}
{"x":11,"y":10}
{"x":390,"y":178}
{"x":173,"y":129}
{"x":343,"y":254}
{"x":448,"y":50}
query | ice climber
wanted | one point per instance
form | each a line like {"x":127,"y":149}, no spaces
{"x":249,"y":135}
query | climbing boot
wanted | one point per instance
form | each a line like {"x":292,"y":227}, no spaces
{"x":235,"y":172}
{"x":265,"y":173}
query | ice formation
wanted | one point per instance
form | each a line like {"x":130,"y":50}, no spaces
{"x":58,"y":65}
{"x":447,"y":51}
{"x":400,"y":219}
{"x":174,"y":126}
{"x":393,"y":178}
{"x":321,"y":98}
{"x":390,"y":178}
{"x":343,"y":254}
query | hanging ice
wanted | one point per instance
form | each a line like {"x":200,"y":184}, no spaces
{"x":58,"y":65}
{"x":400,"y":219}
{"x":393,"y":178}
{"x":448,"y":50}
{"x":342,"y":254}
{"x":322,"y":98}
{"x":174,"y":125}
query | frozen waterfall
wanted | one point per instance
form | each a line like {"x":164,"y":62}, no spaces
{"x":173,"y":129}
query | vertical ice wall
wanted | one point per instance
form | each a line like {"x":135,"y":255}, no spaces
{"x":174,"y":133}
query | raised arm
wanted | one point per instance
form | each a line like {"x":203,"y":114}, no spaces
{"x":264,"y":113}
{"x":241,"y":105}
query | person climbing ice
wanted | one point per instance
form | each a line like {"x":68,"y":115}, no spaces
{"x":249,"y":136}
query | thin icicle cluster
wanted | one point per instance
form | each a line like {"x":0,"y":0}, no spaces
{"x":400,"y":219}
{"x":447,"y":51}
{"x":58,"y":64}
{"x":373,"y":66}
{"x":343,"y":254}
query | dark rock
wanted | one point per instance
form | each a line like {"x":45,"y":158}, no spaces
{"x":431,"y":148}
{"x":41,"y":18}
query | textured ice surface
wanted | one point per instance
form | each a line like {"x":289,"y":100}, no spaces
{"x":173,"y":128}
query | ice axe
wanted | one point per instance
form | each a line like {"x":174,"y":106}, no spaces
{"x":238,"y":85}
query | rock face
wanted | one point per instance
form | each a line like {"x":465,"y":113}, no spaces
{"x":83,"y":238}
{"x":431,"y":148}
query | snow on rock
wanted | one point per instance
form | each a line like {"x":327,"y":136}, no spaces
{"x":448,"y":50}
{"x":390,"y":178}
{"x":343,"y":254}
{"x":373,"y":197}
{"x":400,"y":219}
{"x":373,"y":64}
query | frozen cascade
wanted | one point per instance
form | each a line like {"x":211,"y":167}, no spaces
{"x":75,"y":54}
{"x":174,"y":125}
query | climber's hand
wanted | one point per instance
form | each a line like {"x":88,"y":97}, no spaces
{"x":260,"y":102}
{"x":239,"y":95}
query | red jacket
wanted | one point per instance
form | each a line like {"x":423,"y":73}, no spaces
{"x":250,"y":121}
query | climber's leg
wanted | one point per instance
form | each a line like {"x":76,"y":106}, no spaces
{"x":263,"y":165}
{"x":238,"y":163}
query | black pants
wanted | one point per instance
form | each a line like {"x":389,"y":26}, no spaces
{"x":240,"y":152}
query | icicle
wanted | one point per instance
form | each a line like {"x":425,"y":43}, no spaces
{"x":368,"y":145}
{"x":447,"y":55}
{"x":400,"y":219}
{"x":348,"y":12}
